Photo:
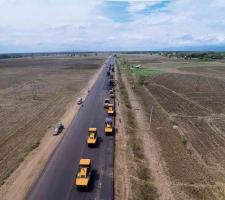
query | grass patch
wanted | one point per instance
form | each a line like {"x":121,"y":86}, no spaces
{"x":123,"y":90}
{"x":143,"y":173}
{"x":144,"y":190}
{"x":184,"y":141}
{"x":199,"y":193}
{"x":146,"y":72}
{"x":133,"y":141}
{"x":141,"y":80}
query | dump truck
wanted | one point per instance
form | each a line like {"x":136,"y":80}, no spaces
{"x":92,"y":137}
{"x":108,"y":126}
{"x":83,"y":176}
{"x":106,"y":102}
{"x":110,"y":109}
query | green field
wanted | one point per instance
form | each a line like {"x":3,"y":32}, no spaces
{"x":146,"y":72}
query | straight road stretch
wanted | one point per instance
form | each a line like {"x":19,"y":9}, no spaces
{"x":57,"y":179}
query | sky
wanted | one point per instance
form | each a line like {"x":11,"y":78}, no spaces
{"x":103,"y":25}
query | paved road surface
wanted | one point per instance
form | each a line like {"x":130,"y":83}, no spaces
{"x":57,"y":180}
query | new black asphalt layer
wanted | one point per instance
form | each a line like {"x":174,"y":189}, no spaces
{"x":57,"y":180}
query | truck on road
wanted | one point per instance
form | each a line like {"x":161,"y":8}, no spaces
{"x":108,"y":126}
{"x":106,"y":102}
{"x":111,"y":109}
{"x":111,"y":83}
{"x":111,"y":93}
{"x":92,"y":137}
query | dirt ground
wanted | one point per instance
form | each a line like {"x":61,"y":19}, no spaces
{"x":187,"y":124}
{"x":122,"y":184}
{"x":59,"y":81}
{"x":150,"y":148}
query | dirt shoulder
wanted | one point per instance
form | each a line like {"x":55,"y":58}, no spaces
{"x":122,"y":184}
{"x":151,"y":148}
{"x":133,"y":176}
{"x":21,"y":180}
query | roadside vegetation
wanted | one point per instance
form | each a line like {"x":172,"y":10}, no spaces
{"x":189,"y":55}
{"x":139,"y":174}
{"x":146,"y":72}
{"x":202,"y":56}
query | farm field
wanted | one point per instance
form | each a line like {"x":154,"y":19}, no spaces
{"x":188,"y":121}
{"x":34,"y":94}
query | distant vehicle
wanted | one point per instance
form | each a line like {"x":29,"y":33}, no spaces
{"x":106,"y":102}
{"x":108,"y":73}
{"x":111,"y":76}
{"x":92,"y":137}
{"x":108,"y":126}
{"x":111,"y":109}
{"x":136,"y":66}
{"x":79,"y":101}
{"x":111,"y":93}
{"x":83,"y":176}
{"x":111,"y":82}
{"x":58,"y":129}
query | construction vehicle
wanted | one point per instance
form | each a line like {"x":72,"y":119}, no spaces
{"x":92,"y":137}
{"x":111,"y":109}
{"x":111,"y":93}
{"x":83,"y":176}
{"x":108,"y":126}
{"x":106,"y":102}
{"x":111,"y":82}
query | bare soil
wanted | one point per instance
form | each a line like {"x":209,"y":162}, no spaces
{"x":122,"y":184}
{"x":151,"y":148}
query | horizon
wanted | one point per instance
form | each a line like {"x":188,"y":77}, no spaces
{"x":115,"y":51}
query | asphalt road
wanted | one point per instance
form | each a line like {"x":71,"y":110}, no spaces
{"x":57,"y":180}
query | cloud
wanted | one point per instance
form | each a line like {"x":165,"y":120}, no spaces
{"x":137,"y":6}
{"x":44,"y":25}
